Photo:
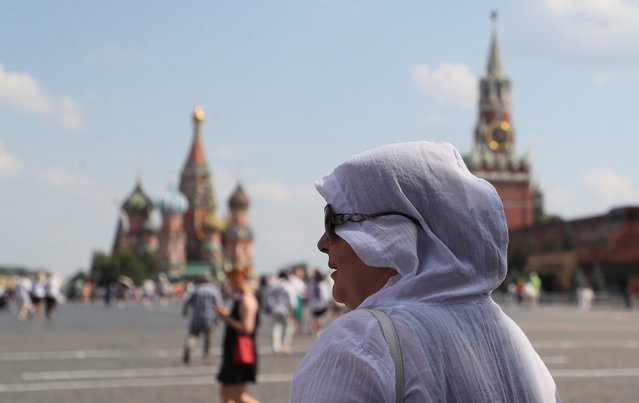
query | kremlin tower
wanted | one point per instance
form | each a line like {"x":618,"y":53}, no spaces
{"x":493,"y":157}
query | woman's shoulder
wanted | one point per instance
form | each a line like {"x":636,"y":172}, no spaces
{"x":350,"y":361}
{"x":248,"y":298}
{"x":355,"y":330}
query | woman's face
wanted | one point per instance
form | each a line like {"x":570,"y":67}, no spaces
{"x":354,"y":280}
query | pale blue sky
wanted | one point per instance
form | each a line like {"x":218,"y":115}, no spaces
{"x":93,"y":93}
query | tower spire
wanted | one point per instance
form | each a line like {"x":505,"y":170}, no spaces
{"x":494,"y":60}
{"x":198,"y":117}
{"x":494,"y":157}
{"x":196,"y":185}
{"x":196,"y":155}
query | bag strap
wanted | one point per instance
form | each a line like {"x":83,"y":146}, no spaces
{"x":390,"y":335}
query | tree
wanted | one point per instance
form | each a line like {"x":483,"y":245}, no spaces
{"x":102,"y":269}
{"x":128,"y":264}
{"x":74,"y":289}
{"x":106,"y":269}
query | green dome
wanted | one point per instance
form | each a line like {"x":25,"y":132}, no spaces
{"x":138,"y":201}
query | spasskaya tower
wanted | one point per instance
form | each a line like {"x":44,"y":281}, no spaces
{"x":493,"y":157}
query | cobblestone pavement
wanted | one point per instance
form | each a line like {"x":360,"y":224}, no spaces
{"x":90,"y":353}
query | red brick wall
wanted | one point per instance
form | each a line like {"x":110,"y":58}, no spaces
{"x":517,"y":198}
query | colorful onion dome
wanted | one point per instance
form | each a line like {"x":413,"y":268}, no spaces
{"x":213,"y":223}
{"x":239,"y":199}
{"x":138,"y":201}
{"x":173,"y":202}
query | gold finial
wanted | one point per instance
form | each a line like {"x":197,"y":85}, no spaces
{"x":198,"y":114}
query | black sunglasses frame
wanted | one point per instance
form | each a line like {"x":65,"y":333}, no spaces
{"x":332,"y":219}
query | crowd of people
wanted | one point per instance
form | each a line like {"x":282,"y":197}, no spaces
{"x":299,"y":302}
{"x":526,"y":291}
{"x":150,"y":293}
{"x":33,"y":296}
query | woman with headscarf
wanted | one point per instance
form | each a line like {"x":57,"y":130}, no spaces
{"x":409,"y":231}
{"x":239,"y":367}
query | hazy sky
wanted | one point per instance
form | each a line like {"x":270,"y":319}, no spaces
{"x":95,"y":93}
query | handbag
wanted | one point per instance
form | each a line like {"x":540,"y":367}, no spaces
{"x":244,"y":350}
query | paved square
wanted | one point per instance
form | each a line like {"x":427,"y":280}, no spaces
{"x":97,"y":354}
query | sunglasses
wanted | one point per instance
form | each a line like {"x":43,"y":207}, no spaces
{"x":332,"y":220}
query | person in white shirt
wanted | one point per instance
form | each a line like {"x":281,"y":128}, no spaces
{"x":409,"y":231}
{"x":297,"y":278}
{"x":148,"y":293}
{"x":53,"y":295}
{"x":38,"y":293}
{"x":281,"y":299}
{"x":319,"y":298}
{"x":24,"y":285}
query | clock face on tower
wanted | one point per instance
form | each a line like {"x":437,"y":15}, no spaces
{"x":499,"y":136}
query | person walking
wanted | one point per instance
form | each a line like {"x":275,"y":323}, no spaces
{"x":417,"y":244}
{"x":297,"y":278}
{"x":239,"y":362}
{"x":38,"y":293}
{"x":24,"y":286}
{"x":319,"y":300}
{"x":201,"y":300}
{"x":281,"y":299}
{"x":52,"y":294}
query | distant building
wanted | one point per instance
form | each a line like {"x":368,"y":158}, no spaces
{"x":9,"y":275}
{"x":192,"y":239}
{"x":493,"y":156}
{"x":600,"y":251}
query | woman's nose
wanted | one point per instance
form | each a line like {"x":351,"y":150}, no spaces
{"x":323,"y":242}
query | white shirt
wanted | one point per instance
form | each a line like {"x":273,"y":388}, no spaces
{"x":351,"y":362}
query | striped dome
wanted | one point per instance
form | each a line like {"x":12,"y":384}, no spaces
{"x":173,"y":202}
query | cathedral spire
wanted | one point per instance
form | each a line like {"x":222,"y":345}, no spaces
{"x":196,"y":155}
{"x":197,"y":186}
{"x":494,"y":60}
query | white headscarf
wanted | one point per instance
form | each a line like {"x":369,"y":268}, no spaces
{"x":460,"y":251}
{"x":457,"y":344}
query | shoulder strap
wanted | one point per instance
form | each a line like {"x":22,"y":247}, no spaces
{"x":390,"y":335}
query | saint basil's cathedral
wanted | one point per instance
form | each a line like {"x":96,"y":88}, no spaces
{"x":192,"y":239}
